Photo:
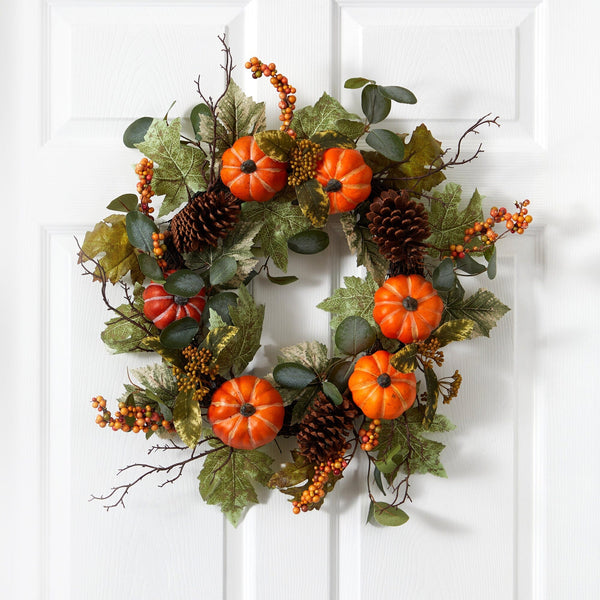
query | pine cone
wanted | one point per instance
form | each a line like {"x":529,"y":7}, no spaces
{"x":207,"y":217}
{"x":171,"y":256}
{"x":400,"y":227}
{"x":324,"y":428}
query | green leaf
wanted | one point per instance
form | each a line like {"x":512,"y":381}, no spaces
{"x":284,"y":280}
{"x":120,"y":334}
{"x":377,"y":478}
{"x":323,"y":116}
{"x":219,"y":341}
{"x":354,"y":335}
{"x":124,"y":203}
{"x":157,"y":386}
{"x":331,"y":391}
{"x":313,"y":201}
{"x":180,"y":333}
{"x":220,"y":303}
{"x":339,"y":372}
{"x":356,"y":299}
{"x":447,"y":221}
{"x":222,"y":270}
{"x":490,"y":255}
{"x":333,"y":139}
{"x":366,"y":250}
{"x":387,"y":143}
{"x":433,"y":392}
{"x":375,"y":105}
{"x":228,"y":477}
{"x":355,"y":83}
{"x":109,"y":238}
{"x":178,"y":167}
{"x":150,"y":268}
{"x":172,"y":355}
{"x":469,"y":265}
{"x":275,"y":144}
{"x":279,"y":221}
{"x":135,"y":133}
{"x":140,"y":229}
{"x":312,"y":355}
{"x":350,"y":129}
{"x":184,"y":283}
{"x":293,"y":375}
{"x":397,"y":94}
{"x":453,"y":331}
{"x":405,"y":360}
{"x":300,"y":399}
{"x":187,"y":418}
{"x":292,"y":473}
{"x":389,"y":515}
{"x":197,"y":111}
{"x":444,"y":278}
{"x":483,"y":308}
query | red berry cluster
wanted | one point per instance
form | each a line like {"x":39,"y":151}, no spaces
{"x":315,"y":492}
{"x":516,"y":222}
{"x":130,"y":418}
{"x":287,"y":98}
{"x":145,"y":171}
{"x":369,"y":437}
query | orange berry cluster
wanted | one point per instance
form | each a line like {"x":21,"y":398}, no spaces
{"x":287,"y":98}
{"x":145,"y":171}
{"x":316,"y":491}
{"x":369,"y":437}
{"x":516,"y":222}
{"x":158,"y":241}
{"x":130,"y":418}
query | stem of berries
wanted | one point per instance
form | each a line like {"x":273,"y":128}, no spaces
{"x":145,"y":171}
{"x":287,"y":98}
{"x":369,"y":437}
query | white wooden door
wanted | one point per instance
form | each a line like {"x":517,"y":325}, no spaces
{"x":517,"y":517}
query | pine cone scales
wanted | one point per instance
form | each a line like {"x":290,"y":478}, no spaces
{"x":400,"y":227}
{"x":206,"y":218}
{"x":324,"y":428}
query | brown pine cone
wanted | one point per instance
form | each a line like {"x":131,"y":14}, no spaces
{"x":400,"y":227}
{"x":206,"y":218}
{"x":324,"y":428}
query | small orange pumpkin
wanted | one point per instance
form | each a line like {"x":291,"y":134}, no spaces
{"x":379,"y":390}
{"x":163,"y":308}
{"x":407,"y":308}
{"x":246,"y":412}
{"x":345,"y":177}
{"x":249,"y":173}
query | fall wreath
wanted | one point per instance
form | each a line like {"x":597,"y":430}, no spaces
{"x":237,"y":197}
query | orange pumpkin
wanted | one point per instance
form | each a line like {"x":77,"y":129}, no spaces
{"x":345,"y":177}
{"x":379,"y":390}
{"x":407,"y":308}
{"x":163,"y":308}
{"x":249,"y":173}
{"x":246,"y":412}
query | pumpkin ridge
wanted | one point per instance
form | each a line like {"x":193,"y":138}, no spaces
{"x":236,"y":154}
{"x":265,"y":422}
{"x":237,"y":418}
{"x":349,"y":174}
{"x":163,"y":314}
{"x":188,"y":310}
{"x":237,"y":395}
{"x":391,"y":315}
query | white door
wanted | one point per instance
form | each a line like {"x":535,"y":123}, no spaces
{"x":517,"y":516}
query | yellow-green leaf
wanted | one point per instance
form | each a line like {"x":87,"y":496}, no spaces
{"x":405,"y":360}
{"x":275,"y":144}
{"x":313,"y":201}
{"x":453,"y":331}
{"x":187,"y":418}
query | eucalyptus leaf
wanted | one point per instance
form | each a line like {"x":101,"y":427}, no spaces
{"x":332,"y":392}
{"x":311,"y":241}
{"x":180,"y":333}
{"x":355,"y":83}
{"x":199,"y":109}
{"x":222,"y":270}
{"x":150,"y":268}
{"x":220,"y":303}
{"x":490,"y":255}
{"x":469,"y":265}
{"x":293,"y":375}
{"x":283,"y":280}
{"x":140,"y":229}
{"x":386,"y":142}
{"x":389,"y":515}
{"x":135,"y":133}
{"x":375,"y":106}
{"x":377,"y":478}
{"x":354,"y":335}
{"x":397,"y":94}
{"x":184,"y":283}
{"x":124,"y":203}
{"x":444,"y":277}
{"x":340,"y":372}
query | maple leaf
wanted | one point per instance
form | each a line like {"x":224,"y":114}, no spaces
{"x":447,"y":221}
{"x":482,"y":308}
{"x":323,"y":116}
{"x":228,"y":477}
{"x":178,"y":168}
{"x":120,"y":257}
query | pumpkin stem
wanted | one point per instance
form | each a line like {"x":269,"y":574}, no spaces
{"x":333,"y":185}
{"x":248,"y":166}
{"x":180,"y":300}
{"x":384,"y":380}
{"x":247,"y":409}
{"x":410,"y":303}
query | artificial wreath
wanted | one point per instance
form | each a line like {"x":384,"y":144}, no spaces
{"x":237,"y":197}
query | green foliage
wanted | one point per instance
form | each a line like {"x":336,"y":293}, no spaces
{"x":323,"y":116}
{"x":354,"y":335}
{"x":136,"y":131}
{"x":356,"y":299}
{"x":397,"y":94}
{"x":405,"y":360}
{"x":292,"y":473}
{"x":220,"y":303}
{"x":482,"y":308}
{"x":184,"y":283}
{"x":178,"y":167}
{"x":195,"y":114}
{"x":453,"y":331}
{"x":332,"y":392}
{"x":433,"y":392}
{"x":388,"y":515}
{"x":149,"y":267}
{"x":275,"y":144}
{"x":187,"y":418}
{"x":109,"y":237}
{"x":447,"y":221}
{"x":387,"y":143}
{"x":366,"y":250}
{"x":444,"y":277}
{"x":469,"y":265}
{"x":355,"y":83}
{"x":335,"y":139}
{"x":228,"y":477}
{"x":122,"y":335}
{"x":157,"y":387}
{"x":293,"y":375}
{"x":375,"y":105}
{"x":312,"y":355}
{"x":279,"y":221}
{"x":313,"y":201}
{"x":490,"y":255}
{"x":180,"y":333}
{"x":140,"y":229}
{"x":282,"y":280}
{"x":220,"y":339}
{"x":124,"y":203}
{"x":311,"y":241}
{"x":172,"y":355}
